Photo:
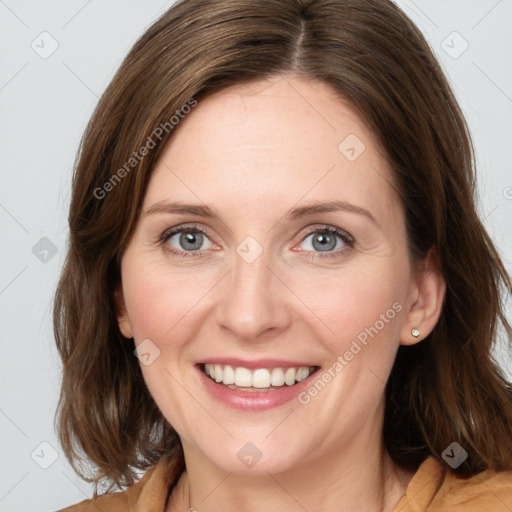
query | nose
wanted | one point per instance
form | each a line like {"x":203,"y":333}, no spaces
{"x":254,"y":303}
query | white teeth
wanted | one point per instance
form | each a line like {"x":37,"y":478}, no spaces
{"x":243,"y":377}
{"x":277,"y":377}
{"x":289,"y":376}
{"x":229,"y":375}
{"x":302,"y":374}
{"x":260,"y":378}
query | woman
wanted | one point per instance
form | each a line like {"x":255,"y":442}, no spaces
{"x":278,"y":294}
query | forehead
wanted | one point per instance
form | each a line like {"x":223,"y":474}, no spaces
{"x":273,"y":142}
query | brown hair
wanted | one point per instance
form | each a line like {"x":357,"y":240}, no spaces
{"x":445,"y":388}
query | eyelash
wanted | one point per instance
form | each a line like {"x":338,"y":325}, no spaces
{"x":166,"y":235}
{"x":347,"y":239}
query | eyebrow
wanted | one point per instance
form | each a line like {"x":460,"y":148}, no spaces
{"x":299,"y":212}
{"x":201,"y":210}
{"x":326,"y":207}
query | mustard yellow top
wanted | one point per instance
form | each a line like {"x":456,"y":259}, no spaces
{"x":434,"y":488}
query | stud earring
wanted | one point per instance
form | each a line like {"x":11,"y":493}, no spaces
{"x":415,"y":332}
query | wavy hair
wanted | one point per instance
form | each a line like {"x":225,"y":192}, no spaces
{"x":446,"y":388}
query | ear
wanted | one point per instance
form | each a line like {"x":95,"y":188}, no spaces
{"x":122,"y":315}
{"x":425,"y":300}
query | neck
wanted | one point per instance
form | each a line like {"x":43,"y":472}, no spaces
{"x":358,"y":476}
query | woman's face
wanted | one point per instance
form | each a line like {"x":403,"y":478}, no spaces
{"x":270,"y":240}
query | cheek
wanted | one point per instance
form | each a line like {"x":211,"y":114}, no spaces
{"x":357,"y":304}
{"x":163,"y":307}
{"x":159,"y":301}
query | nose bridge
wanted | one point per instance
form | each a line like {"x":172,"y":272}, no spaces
{"x":251,"y":303}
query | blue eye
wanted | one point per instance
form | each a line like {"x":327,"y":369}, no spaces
{"x":188,"y":239}
{"x":192,"y":241}
{"x":328,"y":240}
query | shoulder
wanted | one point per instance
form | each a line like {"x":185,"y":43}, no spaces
{"x":435,"y":488}
{"x":149,"y":493}
{"x":486,"y":491}
{"x":113,"y":502}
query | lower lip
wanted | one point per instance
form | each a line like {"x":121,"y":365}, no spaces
{"x":253,"y":400}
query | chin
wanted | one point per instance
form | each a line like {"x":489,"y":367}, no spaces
{"x":240,"y":455}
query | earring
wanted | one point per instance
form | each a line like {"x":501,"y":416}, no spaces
{"x":415,"y":332}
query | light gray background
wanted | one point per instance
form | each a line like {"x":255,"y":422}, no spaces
{"x":44,"y":106}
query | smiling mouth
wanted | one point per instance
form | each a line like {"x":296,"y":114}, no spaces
{"x":260,"y":379}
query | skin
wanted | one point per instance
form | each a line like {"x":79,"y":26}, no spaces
{"x":252,"y":153}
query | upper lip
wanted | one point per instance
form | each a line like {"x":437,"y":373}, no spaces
{"x":255,"y":363}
